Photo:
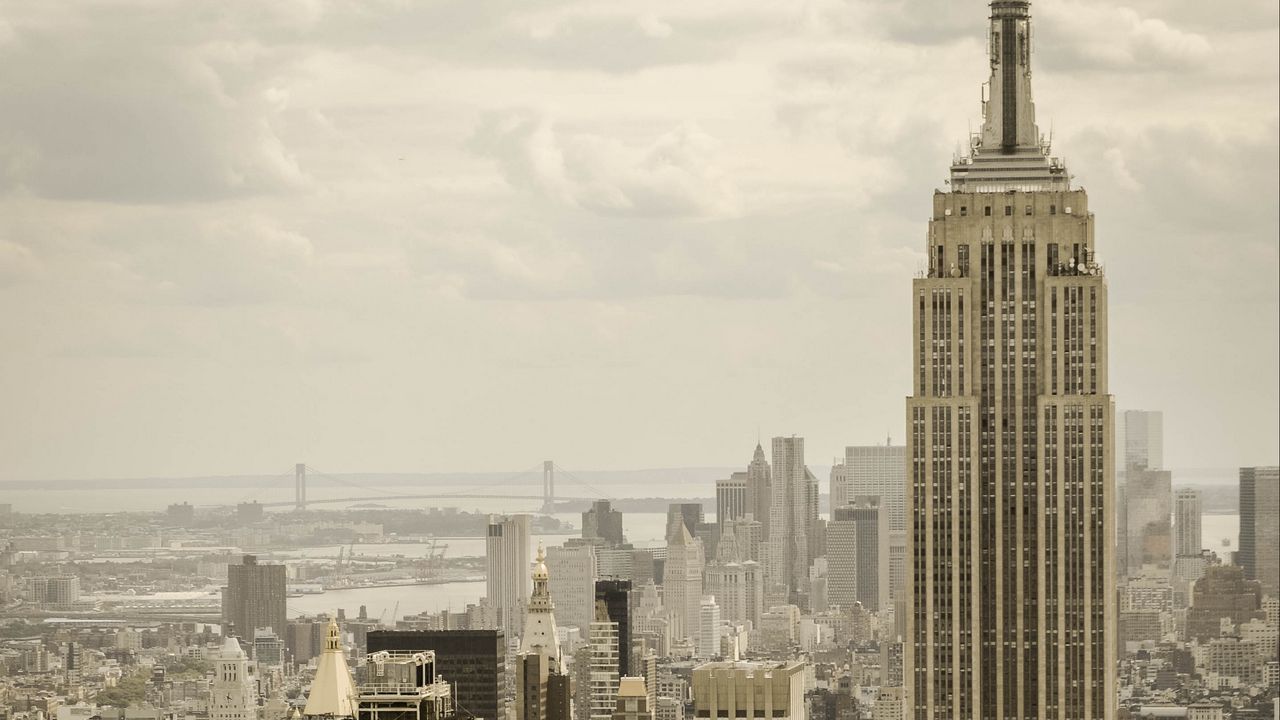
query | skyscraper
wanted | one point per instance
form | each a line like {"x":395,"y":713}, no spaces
{"x":603,"y":522}
{"x":682,"y":582}
{"x":878,"y":470}
{"x":613,"y":596}
{"x":507,"y":582}
{"x":1140,"y":440}
{"x":232,"y":694}
{"x":1188,"y":563}
{"x":759,"y":488}
{"x":254,"y":598}
{"x":1260,"y":526}
{"x":856,"y":551}
{"x":1009,"y":429}
{"x":731,"y":499}
{"x":793,"y":520}
{"x":573,"y":572}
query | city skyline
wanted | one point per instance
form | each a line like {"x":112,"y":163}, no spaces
{"x":267,"y":265}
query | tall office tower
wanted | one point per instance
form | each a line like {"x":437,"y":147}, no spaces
{"x":604,"y":656}
{"x":332,"y":691}
{"x":634,"y":700}
{"x":1188,"y":562}
{"x":682,"y":582}
{"x":1148,"y":508}
{"x":731,"y":499}
{"x":1140,"y":440}
{"x":507,"y":582}
{"x":254,"y":598}
{"x":603,"y":522}
{"x":539,"y":656}
{"x":614,"y":596}
{"x":573,"y":571}
{"x":759,"y":488}
{"x":473,"y":660}
{"x":71,"y":664}
{"x":727,"y":690}
{"x":842,"y":558}
{"x":879,"y":470}
{"x":1009,"y":429}
{"x":232,"y":695}
{"x":794,"y":517}
{"x":708,"y":638}
{"x":1260,"y":526}
{"x":873,"y":470}
{"x":691,"y":515}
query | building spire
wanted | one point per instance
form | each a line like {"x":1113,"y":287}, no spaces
{"x":1009,"y":115}
{"x":1008,"y":154}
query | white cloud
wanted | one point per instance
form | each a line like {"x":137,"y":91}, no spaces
{"x":674,"y":175}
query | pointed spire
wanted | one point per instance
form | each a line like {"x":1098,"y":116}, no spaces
{"x":332,"y":690}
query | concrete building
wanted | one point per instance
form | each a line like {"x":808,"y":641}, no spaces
{"x":1010,"y":429}
{"x":507,"y":584}
{"x":232,"y":694}
{"x":613,"y":597}
{"x":730,"y":690}
{"x":573,"y":573}
{"x":403,"y":686}
{"x":603,"y":662}
{"x":759,"y":489}
{"x":793,"y":520}
{"x":731,"y":499}
{"x":254,"y":598}
{"x":1260,"y":526}
{"x":865,"y":567}
{"x":737,"y":584}
{"x":879,"y":471}
{"x":682,"y":582}
{"x":1188,"y":543}
{"x":707,"y":643}
{"x":604,"y":523}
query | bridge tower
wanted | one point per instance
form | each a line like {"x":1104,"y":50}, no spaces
{"x":300,"y":486}
{"x":548,"y":487}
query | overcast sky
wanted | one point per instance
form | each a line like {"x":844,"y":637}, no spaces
{"x":382,"y":235}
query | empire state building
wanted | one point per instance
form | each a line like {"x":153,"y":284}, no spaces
{"x":1009,"y":429}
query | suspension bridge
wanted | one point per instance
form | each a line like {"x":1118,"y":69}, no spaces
{"x":510,"y":487}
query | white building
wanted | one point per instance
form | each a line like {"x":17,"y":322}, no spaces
{"x":573,"y":574}
{"x":708,"y":639}
{"x":231,"y":695}
{"x":507,"y":556}
{"x":682,"y":582}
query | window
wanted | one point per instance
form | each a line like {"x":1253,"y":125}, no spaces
{"x":1028,"y":210}
{"x":987,"y":211}
{"x":1053,"y":209}
{"x":964,"y":210}
{"x":1008,"y":210}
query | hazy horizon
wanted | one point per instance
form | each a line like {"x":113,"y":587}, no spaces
{"x":236,"y":237}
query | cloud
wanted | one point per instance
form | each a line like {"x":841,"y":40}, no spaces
{"x":1098,"y":36}
{"x":105,"y":111}
{"x":674,"y":175}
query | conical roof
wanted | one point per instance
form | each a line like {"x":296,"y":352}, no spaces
{"x":332,"y":691}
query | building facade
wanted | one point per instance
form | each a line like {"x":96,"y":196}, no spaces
{"x":731,"y":499}
{"x":254,"y":598}
{"x":507,"y":583}
{"x":794,"y":535}
{"x":473,"y":660}
{"x":1260,"y":526}
{"x":730,"y":690}
{"x":1010,"y":430}
{"x":682,"y":582}
{"x":573,"y":572}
